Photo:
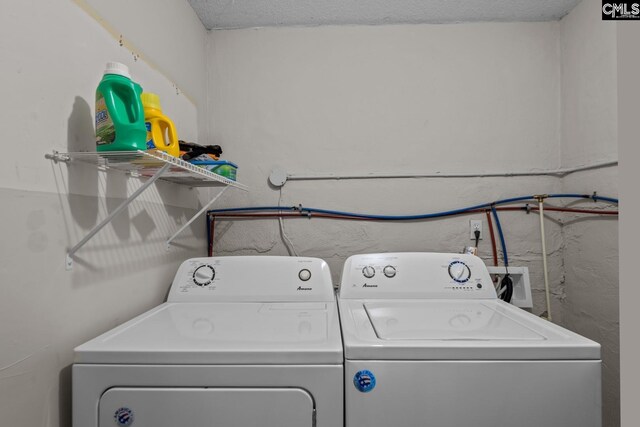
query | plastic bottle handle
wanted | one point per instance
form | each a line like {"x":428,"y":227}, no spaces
{"x":134,"y":108}
{"x":158,"y":135}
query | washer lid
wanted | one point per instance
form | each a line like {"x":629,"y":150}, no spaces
{"x":464,"y":320}
{"x":454,"y":330}
{"x":222,"y":333}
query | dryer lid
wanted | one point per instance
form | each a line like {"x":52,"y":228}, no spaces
{"x":222,"y":333}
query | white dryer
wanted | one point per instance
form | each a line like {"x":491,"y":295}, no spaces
{"x":240,"y":342}
{"x":427,"y":343}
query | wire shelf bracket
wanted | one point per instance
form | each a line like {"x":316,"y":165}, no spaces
{"x":153,"y":165}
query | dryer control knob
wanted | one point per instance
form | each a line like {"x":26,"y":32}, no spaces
{"x":389,"y":271}
{"x":368,"y":272}
{"x":204,"y":275}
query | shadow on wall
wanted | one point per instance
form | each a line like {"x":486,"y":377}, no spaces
{"x":197,"y":228}
{"x":107,"y":258}
{"x":165,"y":194}
{"x":135,"y":236}
{"x":116,"y":193}
{"x":81,"y":137}
{"x":85,"y":180}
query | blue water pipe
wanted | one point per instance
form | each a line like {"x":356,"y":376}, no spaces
{"x":490,"y":205}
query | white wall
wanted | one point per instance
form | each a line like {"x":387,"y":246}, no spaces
{"x":450,"y":98}
{"x":628,"y":95}
{"x":589,"y":135}
{"x":52,"y":57}
{"x":422,"y":98}
{"x":168,"y":36}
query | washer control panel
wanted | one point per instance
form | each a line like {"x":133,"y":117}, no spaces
{"x":252,"y":279}
{"x":416,"y":275}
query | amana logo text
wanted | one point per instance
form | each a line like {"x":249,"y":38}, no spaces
{"x":620,"y":10}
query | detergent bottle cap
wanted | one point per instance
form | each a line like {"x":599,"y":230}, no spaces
{"x":117,"y":68}
{"x":150,"y":100}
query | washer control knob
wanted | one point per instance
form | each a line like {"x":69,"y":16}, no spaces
{"x":389,"y":271}
{"x":204,"y":275}
{"x":459,"y":271}
{"x":304,"y":275}
{"x":368,"y":272}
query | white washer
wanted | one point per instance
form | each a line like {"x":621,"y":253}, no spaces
{"x":427,"y":343}
{"x":240,"y":342}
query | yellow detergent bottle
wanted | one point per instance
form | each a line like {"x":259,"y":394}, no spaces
{"x":161,"y":132}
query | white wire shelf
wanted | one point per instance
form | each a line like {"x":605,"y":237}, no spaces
{"x":147,"y":163}
{"x":153,"y":165}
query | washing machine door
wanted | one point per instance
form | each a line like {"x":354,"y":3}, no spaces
{"x":206,"y":407}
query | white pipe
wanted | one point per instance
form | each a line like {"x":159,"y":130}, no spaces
{"x":544,"y":256}
{"x":555,"y":172}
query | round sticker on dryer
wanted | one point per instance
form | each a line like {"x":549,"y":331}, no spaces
{"x":123,"y":417}
{"x":364,"y":381}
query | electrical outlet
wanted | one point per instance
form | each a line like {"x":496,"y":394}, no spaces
{"x":475,"y":224}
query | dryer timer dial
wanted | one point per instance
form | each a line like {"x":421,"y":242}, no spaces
{"x":368,"y":271}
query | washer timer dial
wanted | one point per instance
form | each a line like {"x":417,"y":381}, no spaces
{"x":204,"y":275}
{"x":459,"y":271}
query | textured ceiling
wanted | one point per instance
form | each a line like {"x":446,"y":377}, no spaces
{"x":221,"y":14}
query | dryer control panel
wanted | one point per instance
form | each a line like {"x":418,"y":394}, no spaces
{"x":416,"y":275}
{"x":252,"y":279}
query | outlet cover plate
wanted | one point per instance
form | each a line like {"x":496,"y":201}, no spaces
{"x":475,"y":224}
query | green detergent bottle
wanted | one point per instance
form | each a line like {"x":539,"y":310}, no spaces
{"x":119,"y":114}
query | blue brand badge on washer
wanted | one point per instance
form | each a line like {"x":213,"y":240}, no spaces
{"x":123,"y":417}
{"x":364,"y":381}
